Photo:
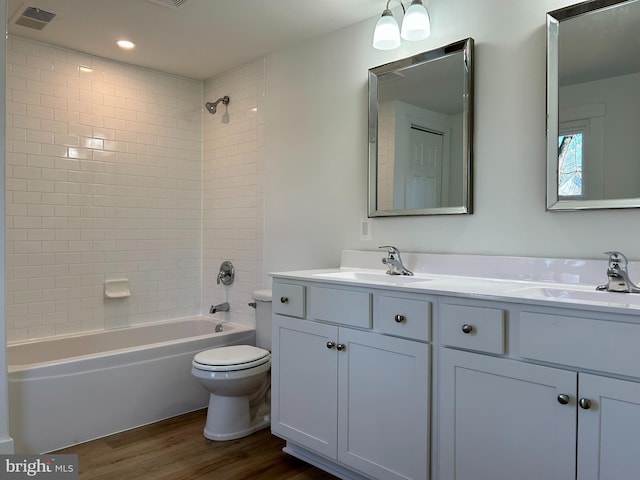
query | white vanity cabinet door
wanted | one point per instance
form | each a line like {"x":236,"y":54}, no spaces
{"x":304,"y":383}
{"x":383,"y":405}
{"x":609,"y":431}
{"x":501,"y":419}
{"x":364,"y":401}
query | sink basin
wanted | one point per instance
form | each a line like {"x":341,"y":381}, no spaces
{"x":578,"y":295}
{"x":372,"y":277}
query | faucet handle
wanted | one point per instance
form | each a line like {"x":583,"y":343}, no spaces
{"x":618,"y":259}
{"x":391,"y":250}
{"x":227,"y":273}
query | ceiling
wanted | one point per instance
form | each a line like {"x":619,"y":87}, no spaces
{"x":198,"y":39}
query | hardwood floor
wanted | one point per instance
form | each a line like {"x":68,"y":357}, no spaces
{"x":175,"y":449}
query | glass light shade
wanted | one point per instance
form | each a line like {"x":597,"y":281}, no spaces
{"x":386,"y":36}
{"x":416,"y":25}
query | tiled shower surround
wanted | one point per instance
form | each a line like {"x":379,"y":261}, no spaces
{"x":104,"y":180}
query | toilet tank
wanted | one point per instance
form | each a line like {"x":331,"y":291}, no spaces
{"x":263,"y":318}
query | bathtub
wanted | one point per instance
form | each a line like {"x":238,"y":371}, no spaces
{"x":71,"y":389}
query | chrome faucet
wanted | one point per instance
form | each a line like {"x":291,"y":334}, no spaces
{"x":394,"y":262}
{"x":618,"y":274}
{"x":222,"y":307}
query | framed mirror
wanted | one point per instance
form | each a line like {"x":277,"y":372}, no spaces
{"x":593,"y":93}
{"x":421,"y":133}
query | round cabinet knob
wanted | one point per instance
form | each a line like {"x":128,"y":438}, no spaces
{"x":330,"y":345}
{"x":563,"y":399}
{"x":466,"y":328}
{"x":340,"y":347}
{"x":399,"y":318}
{"x":284,"y":300}
{"x":584,"y":403}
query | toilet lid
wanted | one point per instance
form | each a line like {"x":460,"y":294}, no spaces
{"x":236,"y":357}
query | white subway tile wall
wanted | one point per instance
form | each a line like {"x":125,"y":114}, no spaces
{"x":104,"y":181}
{"x":233,"y":189}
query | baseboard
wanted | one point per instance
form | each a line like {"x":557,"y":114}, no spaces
{"x":321,"y":462}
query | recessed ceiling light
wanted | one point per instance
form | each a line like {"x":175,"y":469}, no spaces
{"x":126,"y":44}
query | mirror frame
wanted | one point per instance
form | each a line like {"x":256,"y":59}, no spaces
{"x":554,"y":18}
{"x":466,"y":47}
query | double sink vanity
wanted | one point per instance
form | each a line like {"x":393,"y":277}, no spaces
{"x":474,"y":368}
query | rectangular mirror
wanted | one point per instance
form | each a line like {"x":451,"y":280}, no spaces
{"x":593,"y":93}
{"x":421,"y":133}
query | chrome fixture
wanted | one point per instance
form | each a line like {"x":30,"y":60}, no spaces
{"x":227,"y":273}
{"x":221,"y":307}
{"x":415,"y":26}
{"x":218,"y":328}
{"x":213,"y":106}
{"x":618,"y":274}
{"x":394,"y":262}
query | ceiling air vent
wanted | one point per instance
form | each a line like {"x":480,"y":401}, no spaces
{"x":34,"y":18}
{"x":169,"y":3}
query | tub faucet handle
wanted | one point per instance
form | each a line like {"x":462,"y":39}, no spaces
{"x":227,"y":273}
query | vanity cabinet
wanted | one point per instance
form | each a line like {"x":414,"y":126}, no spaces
{"x":505,"y":415}
{"x":500,"y":419}
{"x":346,"y":387}
{"x":457,"y":374}
{"x":608,"y":439}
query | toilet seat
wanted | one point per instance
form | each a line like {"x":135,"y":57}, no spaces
{"x":236,"y":357}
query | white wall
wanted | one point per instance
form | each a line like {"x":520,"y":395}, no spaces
{"x":317,"y":147}
{"x":233,"y":186}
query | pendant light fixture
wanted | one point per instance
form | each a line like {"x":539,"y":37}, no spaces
{"x":415,"y":26}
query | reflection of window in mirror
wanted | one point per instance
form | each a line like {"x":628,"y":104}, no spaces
{"x":570,"y":154}
{"x":581,"y":172}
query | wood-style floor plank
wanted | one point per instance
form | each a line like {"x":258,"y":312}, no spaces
{"x":175,"y":449}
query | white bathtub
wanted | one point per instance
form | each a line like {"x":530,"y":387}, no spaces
{"x":71,"y":389}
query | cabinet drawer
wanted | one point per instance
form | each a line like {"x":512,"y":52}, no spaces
{"x":403,"y":317}
{"x":344,"y":307}
{"x":288,"y":299}
{"x":601,"y":345}
{"x":474,"y":328}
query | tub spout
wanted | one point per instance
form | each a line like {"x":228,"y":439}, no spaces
{"x":222,"y":307}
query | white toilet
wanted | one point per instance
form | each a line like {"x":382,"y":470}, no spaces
{"x":239,"y":381}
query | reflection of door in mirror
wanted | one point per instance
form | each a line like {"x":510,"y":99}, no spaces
{"x":423,"y":180}
{"x":414,"y":152}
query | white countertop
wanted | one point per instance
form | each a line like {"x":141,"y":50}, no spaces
{"x":526,"y":280}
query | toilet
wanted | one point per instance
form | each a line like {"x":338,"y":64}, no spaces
{"x":238,"y":379}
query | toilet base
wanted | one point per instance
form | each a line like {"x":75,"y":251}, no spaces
{"x":236,"y":421}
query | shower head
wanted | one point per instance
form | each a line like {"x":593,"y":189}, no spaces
{"x":213,"y":106}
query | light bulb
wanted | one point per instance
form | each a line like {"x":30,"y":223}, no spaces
{"x":125,"y":44}
{"x":415,"y":24}
{"x":386,"y":36}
